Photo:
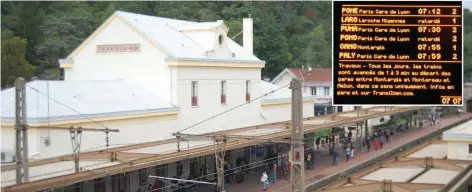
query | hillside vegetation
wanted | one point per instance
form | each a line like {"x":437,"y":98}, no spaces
{"x":286,"y":34}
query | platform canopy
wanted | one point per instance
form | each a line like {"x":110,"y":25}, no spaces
{"x":134,"y":157}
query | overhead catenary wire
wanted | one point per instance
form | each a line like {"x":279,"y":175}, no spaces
{"x":170,"y":151}
{"x":206,"y":157}
{"x":261,"y":162}
{"x":190,"y":161}
{"x":60,"y":103}
{"x":149,"y":170}
{"x":229,"y":153}
{"x":224,"y":112}
{"x":232,"y":173}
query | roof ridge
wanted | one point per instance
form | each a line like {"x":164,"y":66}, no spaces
{"x":164,"y":32}
{"x":125,"y":12}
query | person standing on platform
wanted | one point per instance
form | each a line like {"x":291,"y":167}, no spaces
{"x":352,"y":152}
{"x":381,"y":140}
{"x":367,"y":143}
{"x":308,"y":159}
{"x":438,"y":121}
{"x":155,"y":187}
{"x":348,"y":154}
{"x":376,"y":143}
{"x":265,"y":180}
{"x":386,"y":135}
{"x":335,"y":157}
{"x":430,"y":119}
{"x":327,"y":141}
{"x":279,"y":164}
{"x":333,"y":140}
{"x":349,"y":136}
{"x":274,"y":172}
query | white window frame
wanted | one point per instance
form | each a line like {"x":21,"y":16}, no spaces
{"x":195,"y":89}
{"x":326,"y":93}
{"x":223,"y":87}
{"x":313,"y":91}
{"x":194,"y":92}
{"x":223,"y":91}
{"x":248,"y":90}
{"x":248,"y":86}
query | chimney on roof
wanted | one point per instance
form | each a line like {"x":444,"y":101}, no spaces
{"x":248,"y":34}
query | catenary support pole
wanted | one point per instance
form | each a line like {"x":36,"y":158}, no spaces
{"x":22,"y":165}
{"x":297,"y":147}
{"x":76,"y":141}
{"x":220,"y":145}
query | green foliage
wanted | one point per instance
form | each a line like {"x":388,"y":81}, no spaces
{"x":323,"y":133}
{"x":286,"y":34}
{"x":14,"y":63}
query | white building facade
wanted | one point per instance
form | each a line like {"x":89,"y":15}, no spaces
{"x":318,"y":83}
{"x":149,"y":77}
{"x":459,"y":141}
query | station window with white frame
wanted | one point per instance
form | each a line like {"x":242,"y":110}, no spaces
{"x":223,"y":92}
{"x":326,"y":91}
{"x":248,"y":90}
{"x":313,"y":91}
{"x":194,"y":93}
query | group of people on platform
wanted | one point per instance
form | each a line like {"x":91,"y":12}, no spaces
{"x":376,"y":140}
{"x":278,"y":168}
{"x":236,"y":174}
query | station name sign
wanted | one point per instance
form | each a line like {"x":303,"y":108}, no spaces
{"x":118,"y":48}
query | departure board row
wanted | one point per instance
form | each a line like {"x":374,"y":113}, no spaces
{"x":397,"y":53}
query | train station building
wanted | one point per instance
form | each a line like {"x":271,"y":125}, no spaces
{"x":150,"y":77}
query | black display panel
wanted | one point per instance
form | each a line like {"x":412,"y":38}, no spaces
{"x":397,"y":53}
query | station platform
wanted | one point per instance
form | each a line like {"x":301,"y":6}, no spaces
{"x":324,"y":166}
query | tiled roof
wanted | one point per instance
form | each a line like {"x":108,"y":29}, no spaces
{"x":60,"y":100}
{"x":316,"y":75}
{"x":165,"y":32}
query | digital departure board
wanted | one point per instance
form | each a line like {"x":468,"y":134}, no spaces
{"x":397,"y":53}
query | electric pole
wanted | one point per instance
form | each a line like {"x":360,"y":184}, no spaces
{"x":21,"y":146}
{"x":297,"y":146}
{"x":21,"y":128}
{"x":220,"y":148}
{"x":220,"y":161}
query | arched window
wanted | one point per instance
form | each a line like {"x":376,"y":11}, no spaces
{"x":221,"y":39}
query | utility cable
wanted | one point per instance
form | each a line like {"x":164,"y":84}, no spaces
{"x":245,"y":103}
{"x":207,"y":157}
{"x":68,"y":107}
{"x":137,"y":172}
